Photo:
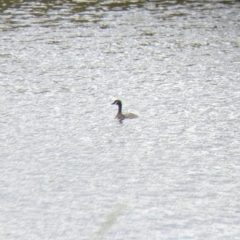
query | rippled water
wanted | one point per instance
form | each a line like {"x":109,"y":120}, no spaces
{"x":69,"y":170}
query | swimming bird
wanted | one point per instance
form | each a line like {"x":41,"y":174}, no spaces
{"x":120,"y":115}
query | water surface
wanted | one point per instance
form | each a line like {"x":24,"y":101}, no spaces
{"x":69,"y":170}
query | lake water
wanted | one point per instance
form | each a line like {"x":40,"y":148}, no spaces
{"x":70,"y":170}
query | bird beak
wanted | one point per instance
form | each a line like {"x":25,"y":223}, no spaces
{"x":113,"y":103}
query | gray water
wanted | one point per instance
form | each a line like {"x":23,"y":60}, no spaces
{"x":70,"y":170}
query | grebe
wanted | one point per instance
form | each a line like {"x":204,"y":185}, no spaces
{"x":120,"y":115}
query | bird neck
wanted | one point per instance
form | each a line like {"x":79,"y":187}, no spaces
{"x":120,"y":108}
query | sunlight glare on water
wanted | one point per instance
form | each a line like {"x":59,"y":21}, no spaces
{"x":70,"y":170}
